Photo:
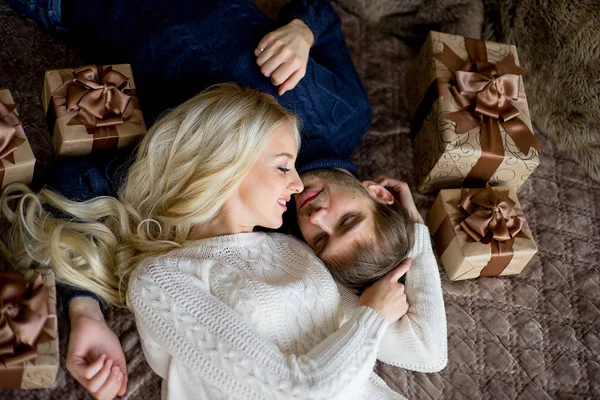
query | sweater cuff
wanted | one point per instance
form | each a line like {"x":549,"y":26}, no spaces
{"x":318,"y":15}
{"x":372,"y":320}
{"x":69,"y":293}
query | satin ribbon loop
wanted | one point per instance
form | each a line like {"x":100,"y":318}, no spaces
{"x":23,"y":315}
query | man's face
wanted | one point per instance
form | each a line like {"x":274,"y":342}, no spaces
{"x":334,"y":212}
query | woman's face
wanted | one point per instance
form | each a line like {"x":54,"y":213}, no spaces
{"x":268,"y":187}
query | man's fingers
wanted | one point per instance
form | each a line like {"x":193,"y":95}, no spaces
{"x":94,"y":367}
{"x":123,"y":387}
{"x":266,"y":54}
{"x":111,"y":387}
{"x":272,"y":64}
{"x":400,"y":270}
{"x":285,"y":71}
{"x":123,"y":368}
{"x":291,"y":82}
{"x":264,"y":44}
{"x":98,"y":380}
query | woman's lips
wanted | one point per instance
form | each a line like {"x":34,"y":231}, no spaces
{"x":307,"y":197}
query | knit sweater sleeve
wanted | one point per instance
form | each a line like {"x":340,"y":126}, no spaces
{"x":418,"y":341}
{"x":318,"y":15}
{"x":198,"y":334}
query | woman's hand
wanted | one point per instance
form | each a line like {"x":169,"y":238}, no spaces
{"x":282,"y":55}
{"x":94,"y":356}
{"x":404,"y":196}
{"x":386,"y":296}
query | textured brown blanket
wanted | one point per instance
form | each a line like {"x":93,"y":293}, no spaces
{"x":532,"y":336}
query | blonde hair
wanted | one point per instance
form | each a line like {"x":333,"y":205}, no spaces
{"x":187,"y":166}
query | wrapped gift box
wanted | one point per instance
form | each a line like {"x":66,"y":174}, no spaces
{"x":470,"y":118}
{"x":29,"y":355}
{"x":16,"y":158}
{"x":92,"y":108}
{"x":480,"y":232}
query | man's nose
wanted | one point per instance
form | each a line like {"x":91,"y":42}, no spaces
{"x":319,"y":218}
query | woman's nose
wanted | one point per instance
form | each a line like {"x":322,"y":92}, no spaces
{"x":296,"y":185}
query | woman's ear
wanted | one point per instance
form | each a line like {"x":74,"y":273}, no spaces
{"x":378,"y":192}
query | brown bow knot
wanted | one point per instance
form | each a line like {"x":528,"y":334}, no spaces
{"x":100,"y":101}
{"x":492,"y":93}
{"x":23,"y":314}
{"x":491,"y":216}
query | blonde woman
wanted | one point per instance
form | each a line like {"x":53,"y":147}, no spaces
{"x":222,"y":311}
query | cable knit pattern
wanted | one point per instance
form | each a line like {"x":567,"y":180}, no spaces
{"x":257,"y":315}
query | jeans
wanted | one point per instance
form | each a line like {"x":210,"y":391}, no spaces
{"x":47,"y":13}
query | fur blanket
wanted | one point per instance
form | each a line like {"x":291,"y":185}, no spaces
{"x":411,"y":20}
{"x":558,"y":44}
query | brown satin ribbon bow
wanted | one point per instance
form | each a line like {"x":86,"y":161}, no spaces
{"x":23,"y":314}
{"x":99,"y":100}
{"x":488,"y":95}
{"x":491,"y":219}
{"x":11,"y":135}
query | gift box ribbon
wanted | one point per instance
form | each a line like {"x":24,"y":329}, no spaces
{"x":488,"y":95}
{"x":97,"y":99}
{"x":11,"y":135}
{"x":24,"y":311}
{"x":486,"y":216}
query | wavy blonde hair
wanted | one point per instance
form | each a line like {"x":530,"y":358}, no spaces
{"x":187,"y":166}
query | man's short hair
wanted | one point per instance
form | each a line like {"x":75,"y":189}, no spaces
{"x":368,"y":261}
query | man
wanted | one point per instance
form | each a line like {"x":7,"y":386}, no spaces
{"x":177,"y":49}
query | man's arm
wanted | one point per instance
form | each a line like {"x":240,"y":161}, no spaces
{"x":94,"y":355}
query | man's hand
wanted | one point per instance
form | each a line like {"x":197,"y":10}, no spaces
{"x":404,"y":196}
{"x":95,"y":357}
{"x":282,"y":55}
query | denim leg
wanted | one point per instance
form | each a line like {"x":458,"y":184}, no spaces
{"x":47,"y":13}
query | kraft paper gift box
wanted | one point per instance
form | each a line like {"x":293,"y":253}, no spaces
{"x":29,"y":353}
{"x":470,"y":119}
{"x":92,"y":108}
{"x":16,"y":158}
{"x":480,"y":232}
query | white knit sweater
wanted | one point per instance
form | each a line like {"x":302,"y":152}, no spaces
{"x":258,"y":316}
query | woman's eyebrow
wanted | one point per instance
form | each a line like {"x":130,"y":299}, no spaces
{"x":288,"y":155}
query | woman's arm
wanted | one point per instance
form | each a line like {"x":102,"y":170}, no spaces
{"x":418,"y":340}
{"x":211,"y":348}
